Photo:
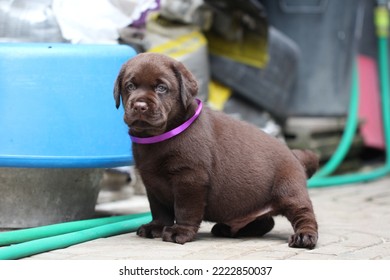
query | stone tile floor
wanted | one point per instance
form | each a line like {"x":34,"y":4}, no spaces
{"x":354,"y":224}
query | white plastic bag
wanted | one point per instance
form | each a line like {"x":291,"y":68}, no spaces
{"x":97,"y":21}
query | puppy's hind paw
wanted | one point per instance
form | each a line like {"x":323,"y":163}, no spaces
{"x":179,"y":234}
{"x":303,"y":240}
{"x":221,"y":230}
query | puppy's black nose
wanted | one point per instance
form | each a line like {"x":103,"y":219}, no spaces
{"x":140,"y":107}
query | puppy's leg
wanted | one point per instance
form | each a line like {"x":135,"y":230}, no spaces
{"x":189,"y":206}
{"x":258,"y":228}
{"x":162,"y":216}
{"x":294,"y":203}
{"x":305,"y":227}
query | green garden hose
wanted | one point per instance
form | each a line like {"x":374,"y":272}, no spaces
{"x":60,"y":241}
{"x":382,"y":23}
{"x":23,"y":235}
{"x":350,"y":130}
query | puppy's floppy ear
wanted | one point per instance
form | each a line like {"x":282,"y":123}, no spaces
{"x":118,"y":87}
{"x":188,"y":85}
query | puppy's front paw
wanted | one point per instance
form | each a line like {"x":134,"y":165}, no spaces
{"x":151,"y":230}
{"x":179,"y":234}
{"x":303,"y":240}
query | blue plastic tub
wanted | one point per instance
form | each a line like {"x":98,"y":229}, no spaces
{"x":57,"y":108}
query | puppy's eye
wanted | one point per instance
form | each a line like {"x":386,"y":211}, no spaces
{"x":161,"y":88}
{"x":130,"y":87}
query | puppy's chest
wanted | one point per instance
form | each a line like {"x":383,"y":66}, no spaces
{"x":154,"y":170}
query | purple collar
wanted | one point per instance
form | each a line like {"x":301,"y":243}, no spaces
{"x":171,"y":133}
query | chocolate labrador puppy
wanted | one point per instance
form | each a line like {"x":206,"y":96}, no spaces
{"x":198,"y":164}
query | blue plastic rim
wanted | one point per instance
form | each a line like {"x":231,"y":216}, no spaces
{"x":57,"y":107}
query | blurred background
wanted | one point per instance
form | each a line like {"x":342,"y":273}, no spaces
{"x":284,"y":65}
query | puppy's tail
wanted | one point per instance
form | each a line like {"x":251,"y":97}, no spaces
{"x":308,"y":159}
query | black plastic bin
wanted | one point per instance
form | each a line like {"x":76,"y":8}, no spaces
{"x":326,"y":32}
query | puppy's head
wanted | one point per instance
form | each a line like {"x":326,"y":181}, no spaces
{"x":154,"y":90}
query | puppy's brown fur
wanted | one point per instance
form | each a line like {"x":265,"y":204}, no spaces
{"x":219,"y":169}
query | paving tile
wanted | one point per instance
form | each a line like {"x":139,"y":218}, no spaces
{"x":353,"y":224}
